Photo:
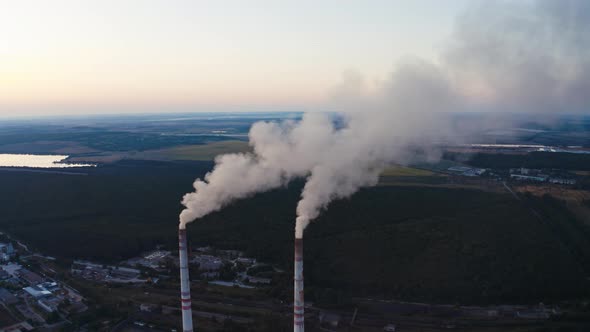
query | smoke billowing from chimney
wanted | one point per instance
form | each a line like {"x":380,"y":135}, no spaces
{"x":527,"y":57}
{"x":503,"y":57}
{"x":280,"y":152}
{"x":349,"y":155}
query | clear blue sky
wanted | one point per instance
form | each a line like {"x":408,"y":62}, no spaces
{"x":82,"y":56}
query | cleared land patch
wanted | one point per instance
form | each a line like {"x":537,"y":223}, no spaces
{"x":201,"y":152}
{"x":198,"y":152}
{"x":575,"y":199}
{"x":406,"y":171}
{"x":402,"y":175}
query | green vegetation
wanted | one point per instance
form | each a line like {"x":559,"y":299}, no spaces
{"x":408,"y":242}
{"x":114,"y":212}
{"x":573,"y":234}
{"x":103,"y":134}
{"x":561,"y":160}
{"x":102,"y":140}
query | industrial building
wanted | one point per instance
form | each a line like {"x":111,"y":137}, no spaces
{"x":538,"y":178}
{"x":562,"y":181}
{"x":207,"y":263}
{"x":153,"y":260}
{"x":467,"y":171}
{"x":98,"y":272}
{"x":37,"y":291}
{"x":526,"y":174}
{"x":29,"y":277}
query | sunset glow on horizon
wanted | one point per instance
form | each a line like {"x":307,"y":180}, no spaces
{"x":80,"y":57}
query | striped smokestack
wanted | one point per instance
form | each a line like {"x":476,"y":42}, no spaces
{"x":185,"y":291}
{"x":298,"y":305}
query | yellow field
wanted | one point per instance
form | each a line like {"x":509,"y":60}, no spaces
{"x":203,"y":152}
{"x":406,"y":171}
{"x":200,"y":152}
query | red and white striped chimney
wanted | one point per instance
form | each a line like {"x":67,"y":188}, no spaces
{"x":185,"y":288}
{"x":298,"y":304}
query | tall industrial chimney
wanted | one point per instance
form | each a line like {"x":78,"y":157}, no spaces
{"x":298,"y":305}
{"x":185,"y":288}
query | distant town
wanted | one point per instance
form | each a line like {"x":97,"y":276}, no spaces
{"x":34,"y":298}
{"x":219,"y":267}
{"x":519,"y":174}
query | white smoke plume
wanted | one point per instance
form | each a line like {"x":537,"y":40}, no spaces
{"x":504,"y":57}
{"x":528,"y":57}
{"x":281,"y":151}
{"x":408,"y":110}
{"x":337,"y":160}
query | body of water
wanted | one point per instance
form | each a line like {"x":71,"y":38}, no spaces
{"x":37,"y":161}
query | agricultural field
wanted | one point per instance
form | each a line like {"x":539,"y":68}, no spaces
{"x":406,"y":171}
{"x":402,"y":175}
{"x":196,"y":152}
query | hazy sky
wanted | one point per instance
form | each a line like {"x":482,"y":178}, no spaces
{"x":112,"y":56}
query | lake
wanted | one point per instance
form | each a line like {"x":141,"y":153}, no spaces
{"x":37,"y":161}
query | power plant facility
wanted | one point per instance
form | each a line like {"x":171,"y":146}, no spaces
{"x":439,"y":155}
{"x":185,"y":291}
{"x":298,"y":302}
{"x":185,"y":294}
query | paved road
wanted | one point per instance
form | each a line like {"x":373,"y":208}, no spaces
{"x":510,"y":190}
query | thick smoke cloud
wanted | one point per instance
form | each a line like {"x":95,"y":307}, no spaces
{"x":336,"y":160}
{"x":523,"y":56}
{"x":407,"y":111}
{"x":513,"y":57}
{"x":281,"y":151}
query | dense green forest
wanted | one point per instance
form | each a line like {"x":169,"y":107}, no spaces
{"x":408,"y":242}
{"x":111,"y":213}
{"x":102,"y":140}
{"x":560,"y":160}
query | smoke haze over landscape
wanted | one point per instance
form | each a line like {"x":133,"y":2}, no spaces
{"x":503,"y":57}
